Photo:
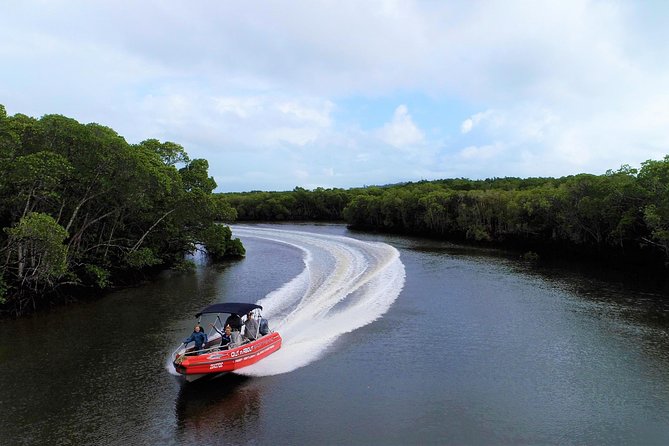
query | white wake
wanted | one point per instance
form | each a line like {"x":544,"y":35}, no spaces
{"x":346,"y":284}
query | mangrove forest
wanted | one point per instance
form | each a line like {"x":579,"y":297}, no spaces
{"x":81,"y":208}
{"x":621,"y":216}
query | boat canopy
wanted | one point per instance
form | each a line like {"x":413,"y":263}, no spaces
{"x":229,"y":307}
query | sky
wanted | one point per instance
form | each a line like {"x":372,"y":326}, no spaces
{"x":277,"y":95}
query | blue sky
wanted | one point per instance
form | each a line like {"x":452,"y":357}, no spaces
{"x":347,"y":93}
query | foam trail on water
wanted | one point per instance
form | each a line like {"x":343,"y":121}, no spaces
{"x":346,"y":284}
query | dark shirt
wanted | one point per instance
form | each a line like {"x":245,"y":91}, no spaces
{"x":199,"y":338}
{"x":225,"y":339}
{"x":234,"y":321}
{"x":264,"y":327}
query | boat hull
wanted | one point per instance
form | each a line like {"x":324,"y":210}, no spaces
{"x":215,"y":362}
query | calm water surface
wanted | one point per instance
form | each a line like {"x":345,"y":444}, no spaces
{"x":476,"y":349}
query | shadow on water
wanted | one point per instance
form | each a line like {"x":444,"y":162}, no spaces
{"x":222,"y":408}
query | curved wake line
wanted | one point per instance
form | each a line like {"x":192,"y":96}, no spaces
{"x":346,"y":284}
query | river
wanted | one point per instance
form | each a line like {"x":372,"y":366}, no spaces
{"x":387,"y":340}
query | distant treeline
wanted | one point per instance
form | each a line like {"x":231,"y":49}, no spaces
{"x":82,"y":208}
{"x":622,"y":214}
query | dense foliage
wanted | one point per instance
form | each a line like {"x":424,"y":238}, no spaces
{"x":622,"y":214}
{"x":80,"y":207}
{"x":300,"y":204}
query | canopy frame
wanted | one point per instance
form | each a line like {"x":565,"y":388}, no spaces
{"x":238,"y":308}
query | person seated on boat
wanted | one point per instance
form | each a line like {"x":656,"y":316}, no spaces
{"x":235,"y":340}
{"x":250,"y":327}
{"x":198,"y":337}
{"x":234,"y":321}
{"x":225,"y":335}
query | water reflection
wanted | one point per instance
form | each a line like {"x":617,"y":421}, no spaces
{"x":223,"y":409}
{"x":635,"y":295}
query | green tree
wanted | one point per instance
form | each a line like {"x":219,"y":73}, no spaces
{"x":36,"y":255}
{"x":123,"y":208}
{"x":654,"y":179}
{"x":218,"y":241}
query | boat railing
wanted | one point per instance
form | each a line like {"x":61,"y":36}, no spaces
{"x":180,"y":352}
{"x":213,"y":336}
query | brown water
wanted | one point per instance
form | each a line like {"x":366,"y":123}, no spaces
{"x":476,"y":349}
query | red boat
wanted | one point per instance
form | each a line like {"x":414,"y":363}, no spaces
{"x":214,"y":358}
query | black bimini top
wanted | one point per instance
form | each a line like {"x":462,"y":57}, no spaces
{"x":229,"y":307}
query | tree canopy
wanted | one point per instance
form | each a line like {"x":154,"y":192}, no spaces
{"x":622,"y":214}
{"x":81,"y":207}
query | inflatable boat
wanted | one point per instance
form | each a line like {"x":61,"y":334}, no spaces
{"x":213,"y":357}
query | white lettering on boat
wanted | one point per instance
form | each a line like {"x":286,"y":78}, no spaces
{"x":241,"y":352}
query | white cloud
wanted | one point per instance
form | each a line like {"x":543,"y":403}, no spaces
{"x":401,"y":132}
{"x":242,"y":107}
{"x":522,"y":123}
{"x":482,"y":153}
{"x":298,"y":136}
{"x":467,"y":125}
{"x":474,"y":120}
{"x":236,"y":121}
{"x":553,"y":87}
{"x":319,"y":116}
{"x":301,"y":174}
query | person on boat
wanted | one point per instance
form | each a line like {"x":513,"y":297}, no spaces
{"x":234,"y":321}
{"x":264,"y":326}
{"x":226,"y":335}
{"x":198,"y":337}
{"x":250,"y":327}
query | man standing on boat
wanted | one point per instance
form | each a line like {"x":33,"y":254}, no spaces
{"x":250,"y":327}
{"x":198,"y":337}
